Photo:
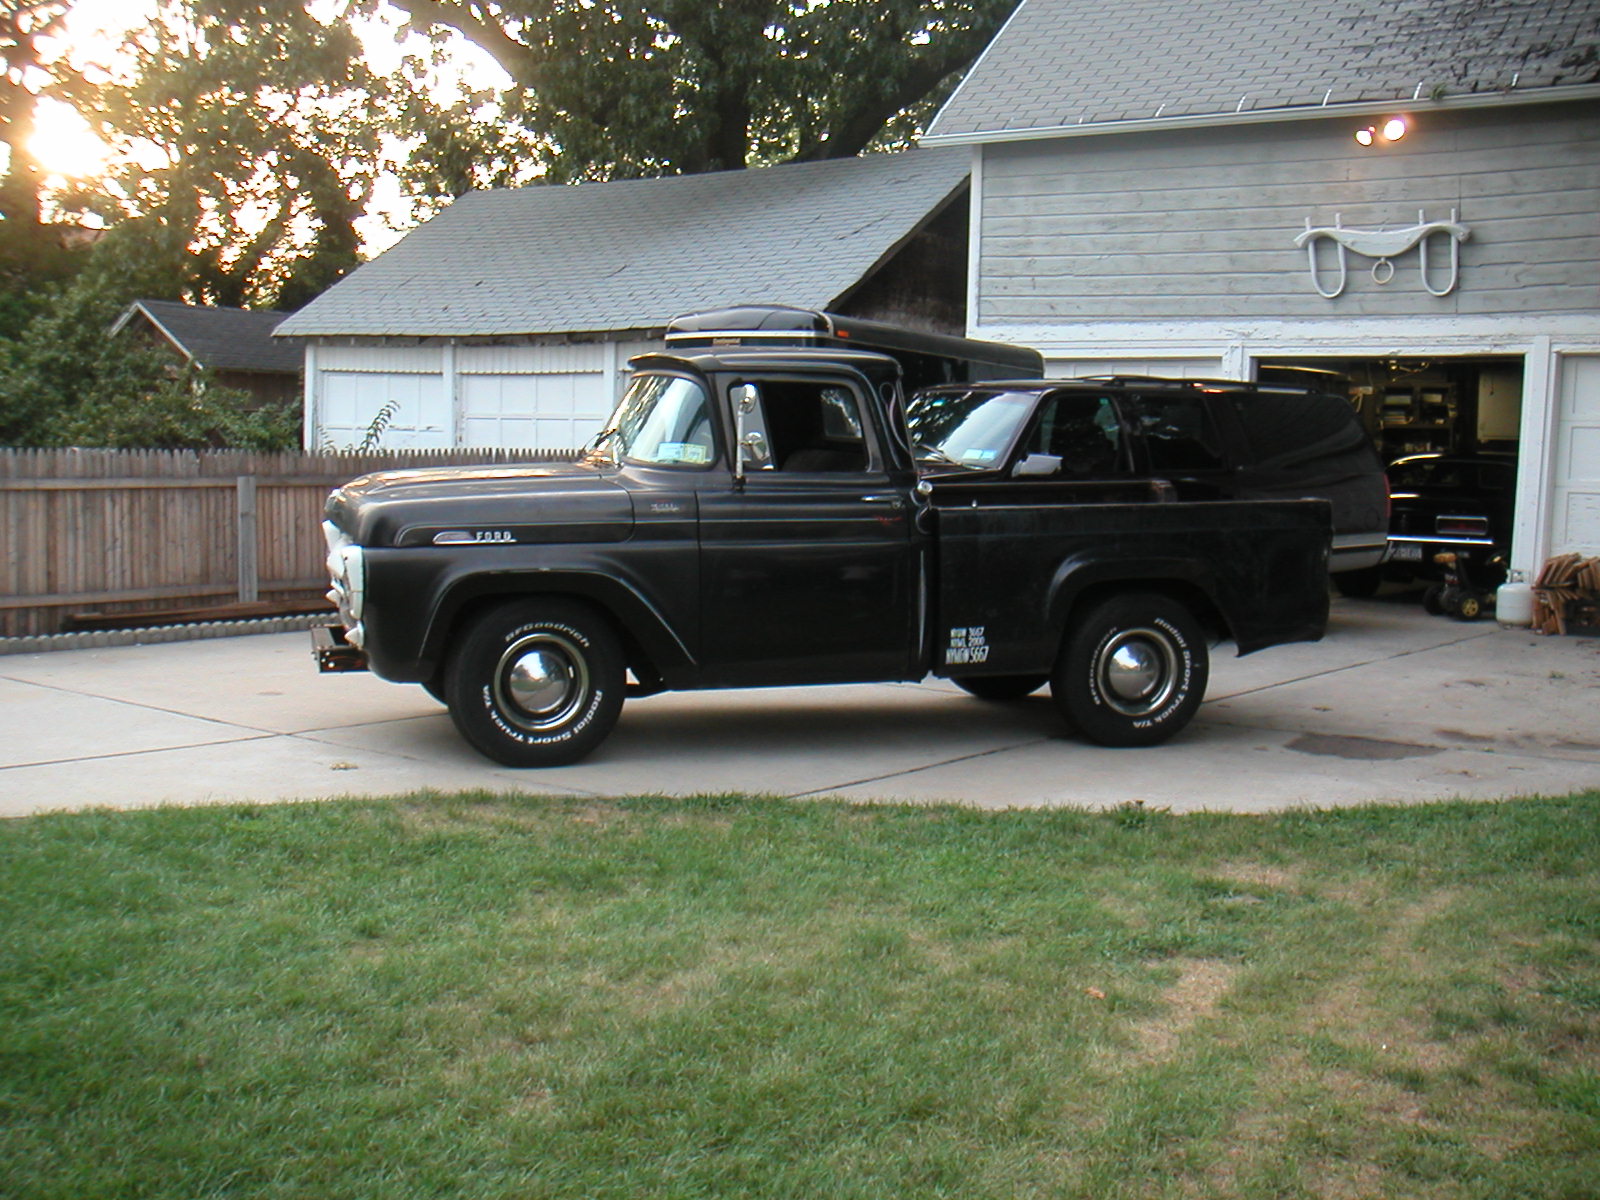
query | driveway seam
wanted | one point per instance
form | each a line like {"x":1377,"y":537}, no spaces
{"x":933,"y":766}
{"x":156,"y":708}
{"x":259,"y":736}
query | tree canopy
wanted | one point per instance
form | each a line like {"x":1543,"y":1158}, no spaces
{"x":611,"y":89}
{"x":260,"y":133}
{"x":250,"y":138}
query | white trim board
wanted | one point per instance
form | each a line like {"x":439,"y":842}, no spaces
{"x":1351,"y":337}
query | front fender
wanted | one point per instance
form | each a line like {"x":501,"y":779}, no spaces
{"x":640,"y":621}
{"x":417,"y":597}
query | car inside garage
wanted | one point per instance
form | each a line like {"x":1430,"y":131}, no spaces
{"x":1447,"y":431}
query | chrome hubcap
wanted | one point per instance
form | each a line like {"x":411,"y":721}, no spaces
{"x":1138,"y":671}
{"x":541,"y":681}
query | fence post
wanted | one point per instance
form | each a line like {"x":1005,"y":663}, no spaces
{"x":249,"y":577}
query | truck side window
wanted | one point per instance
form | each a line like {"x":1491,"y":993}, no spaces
{"x":1177,"y":431}
{"x":812,"y":426}
{"x":1083,"y":432}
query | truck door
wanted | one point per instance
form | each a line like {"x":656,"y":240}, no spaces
{"x":809,"y":573}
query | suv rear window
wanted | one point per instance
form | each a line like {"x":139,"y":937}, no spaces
{"x":1177,"y":431}
{"x":1284,"y":425}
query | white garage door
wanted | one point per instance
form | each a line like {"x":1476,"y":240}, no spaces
{"x":1176,"y":368}
{"x":545,"y":412}
{"x":1575,"y":511}
{"x":351,"y":401}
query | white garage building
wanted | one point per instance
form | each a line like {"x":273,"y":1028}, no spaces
{"x":508,"y":320}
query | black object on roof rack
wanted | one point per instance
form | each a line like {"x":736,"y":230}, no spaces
{"x":925,"y":358}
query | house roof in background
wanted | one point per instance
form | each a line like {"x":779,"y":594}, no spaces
{"x":631,"y":254}
{"x":1060,"y":66}
{"x":219,"y":339}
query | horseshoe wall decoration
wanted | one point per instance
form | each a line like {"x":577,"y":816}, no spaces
{"x":1384,"y":245}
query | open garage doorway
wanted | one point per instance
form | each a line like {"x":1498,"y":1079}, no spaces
{"x":1446,"y":429}
{"x":1420,"y":405}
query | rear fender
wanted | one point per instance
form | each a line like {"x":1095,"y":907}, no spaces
{"x":1081,"y":582}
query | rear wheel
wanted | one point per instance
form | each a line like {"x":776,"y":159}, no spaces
{"x":1133,"y":670}
{"x":536,"y":683}
{"x":1001,"y":687}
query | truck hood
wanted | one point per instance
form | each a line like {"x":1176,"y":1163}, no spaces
{"x":484,"y":505}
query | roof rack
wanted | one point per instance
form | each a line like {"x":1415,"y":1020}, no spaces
{"x":1206,"y":385}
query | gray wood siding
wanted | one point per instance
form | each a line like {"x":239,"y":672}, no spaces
{"x":1201,"y":224}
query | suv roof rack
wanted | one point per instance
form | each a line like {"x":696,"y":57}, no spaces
{"x":1206,"y":385}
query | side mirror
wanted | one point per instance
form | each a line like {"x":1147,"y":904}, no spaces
{"x":753,"y":449}
{"x":1037,"y":465}
{"x":744,"y":397}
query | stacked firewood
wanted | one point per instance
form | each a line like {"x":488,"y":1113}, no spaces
{"x":1566,"y":596}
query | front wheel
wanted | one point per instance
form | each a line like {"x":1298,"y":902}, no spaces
{"x":536,"y":683}
{"x":1133,"y":670}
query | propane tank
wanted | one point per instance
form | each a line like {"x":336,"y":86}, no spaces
{"x":1513,"y":604}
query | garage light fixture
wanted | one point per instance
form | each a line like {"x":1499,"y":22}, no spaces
{"x":1392,"y":130}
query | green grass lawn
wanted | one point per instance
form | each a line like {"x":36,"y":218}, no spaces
{"x":483,"y":996}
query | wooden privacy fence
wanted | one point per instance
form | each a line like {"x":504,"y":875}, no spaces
{"x":128,"y":531}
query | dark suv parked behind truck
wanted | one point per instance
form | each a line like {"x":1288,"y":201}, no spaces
{"x":1208,"y":439}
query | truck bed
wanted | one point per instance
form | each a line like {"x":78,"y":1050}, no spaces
{"x":1010,"y":573}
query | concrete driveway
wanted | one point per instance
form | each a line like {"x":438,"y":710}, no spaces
{"x":1393,"y":705}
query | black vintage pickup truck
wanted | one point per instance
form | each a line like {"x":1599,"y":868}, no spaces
{"x":753,"y":515}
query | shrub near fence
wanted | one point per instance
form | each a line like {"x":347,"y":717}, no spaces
{"x":130,"y":531}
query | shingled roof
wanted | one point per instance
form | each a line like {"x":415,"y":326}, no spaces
{"x":1064,"y":66}
{"x":629,"y":255}
{"x":219,"y":339}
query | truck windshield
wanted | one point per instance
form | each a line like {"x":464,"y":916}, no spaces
{"x":968,"y":429}
{"x":662,"y":421}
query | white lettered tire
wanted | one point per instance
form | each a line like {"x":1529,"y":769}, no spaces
{"x":1132,"y":671}
{"x":536,"y":683}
